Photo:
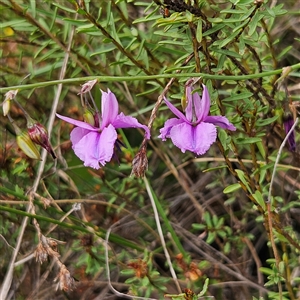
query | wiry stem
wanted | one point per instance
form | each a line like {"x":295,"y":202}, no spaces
{"x":161,"y":235}
{"x":177,"y":75}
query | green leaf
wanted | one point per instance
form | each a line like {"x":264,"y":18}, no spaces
{"x":199,"y":31}
{"x":240,"y":26}
{"x":210,"y":237}
{"x":204,"y":289}
{"x":199,"y":226}
{"x":264,"y":122}
{"x":243,"y":179}
{"x":261,"y":149}
{"x":214,"y":29}
{"x":227,"y":248}
{"x":232,"y":188}
{"x":227,"y":40}
{"x":238,"y":96}
{"x":254,"y":23}
{"x":259,"y":199}
{"x":67,"y":9}
{"x":248,"y":140}
{"x":207,"y":219}
{"x":226,"y":52}
{"x":266,"y":271}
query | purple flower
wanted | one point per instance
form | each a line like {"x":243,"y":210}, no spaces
{"x":95,"y":145}
{"x":196,"y":130}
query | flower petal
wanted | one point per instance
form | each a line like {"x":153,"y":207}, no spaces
{"x":165,"y":131}
{"x":197,"y":139}
{"x":123,"y":121}
{"x":193,"y":104}
{"x":85,"y":145}
{"x":77,"y":134}
{"x":77,"y":123}
{"x":220,"y":121}
{"x":202,"y":107}
{"x":175,"y":111}
{"x":109,"y":108}
{"x":106,"y":144}
{"x":94,"y":148}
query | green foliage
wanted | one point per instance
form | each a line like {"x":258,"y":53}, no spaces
{"x":220,"y":226}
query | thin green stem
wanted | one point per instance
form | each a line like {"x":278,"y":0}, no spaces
{"x":146,"y":77}
{"x":79,"y":228}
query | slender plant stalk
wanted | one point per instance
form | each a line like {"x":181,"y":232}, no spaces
{"x":147,"y":78}
{"x":156,"y":207}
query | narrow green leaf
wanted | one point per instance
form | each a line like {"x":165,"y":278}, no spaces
{"x":248,"y":140}
{"x":231,"y":188}
{"x":261,"y":149}
{"x":243,"y":179}
{"x":264,"y":122}
{"x":254,"y":23}
{"x":204,"y":289}
{"x":228,"y":40}
{"x":67,"y":9}
{"x":266,"y":271}
{"x":207,"y":219}
{"x":226,"y":52}
{"x":259,"y":198}
{"x":240,"y":96}
{"x":214,"y":29}
{"x":199,"y":31}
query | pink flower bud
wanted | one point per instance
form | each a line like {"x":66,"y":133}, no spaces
{"x":39,"y":135}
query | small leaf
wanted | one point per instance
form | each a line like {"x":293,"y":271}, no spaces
{"x":259,"y":199}
{"x":204,"y":289}
{"x":211,"y":237}
{"x":266,"y":271}
{"x":227,"y":248}
{"x":229,"y":39}
{"x":207,"y":219}
{"x":231,"y":188}
{"x":248,"y":140}
{"x":238,"y":96}
{"x":199,"y":31}
{"x":264,"y":122}
{"x":241,"y":176}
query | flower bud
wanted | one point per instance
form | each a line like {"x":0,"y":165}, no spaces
{"x":88,"y":117}
{"x":6,"y":104}
{"x":27,"y":146}
{"x":6,"y":107}
{"x":39,"y":135}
